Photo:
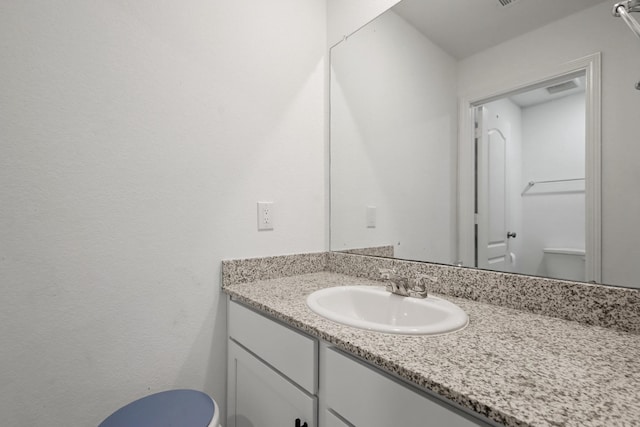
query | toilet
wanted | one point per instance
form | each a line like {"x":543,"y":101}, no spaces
{"x":183,"y":408}
{"x":565,"y":263}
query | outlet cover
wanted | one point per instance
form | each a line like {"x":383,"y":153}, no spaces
{"x":265,"y":216}
{"x":371,"y":217}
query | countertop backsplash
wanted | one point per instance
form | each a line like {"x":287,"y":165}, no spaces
{"x":592,"y":304}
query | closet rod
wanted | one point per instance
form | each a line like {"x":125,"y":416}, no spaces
{"x":532,"y":183}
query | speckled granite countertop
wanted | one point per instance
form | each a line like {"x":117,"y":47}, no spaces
{"x":514,"y":367}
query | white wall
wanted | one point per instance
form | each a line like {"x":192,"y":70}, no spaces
{"x":402,"y":164}
{"x":553,"y":148}
{"x":136,"y":139}
{"x":573,"y":37}
{"x":346,"y":16}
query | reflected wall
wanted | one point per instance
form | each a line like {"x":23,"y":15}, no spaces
{"x":393,"y":140}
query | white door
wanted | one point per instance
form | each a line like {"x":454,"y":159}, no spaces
{"x":492,"y":234}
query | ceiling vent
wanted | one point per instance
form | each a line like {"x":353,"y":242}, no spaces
{"x":571,"y":84}
{"x":507,"y":2}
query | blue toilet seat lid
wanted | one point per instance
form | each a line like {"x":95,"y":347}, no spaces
{"x":173,"y":408}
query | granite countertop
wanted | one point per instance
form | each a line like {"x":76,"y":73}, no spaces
{"x":514,"y":367}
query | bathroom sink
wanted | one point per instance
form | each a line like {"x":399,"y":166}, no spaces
{"x":375,"y":309}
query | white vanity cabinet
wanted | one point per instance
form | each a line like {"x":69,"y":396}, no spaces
{"x":272,"y":373}
{"x":279,"y":377}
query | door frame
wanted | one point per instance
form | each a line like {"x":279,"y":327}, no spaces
{"x":591,"y":67}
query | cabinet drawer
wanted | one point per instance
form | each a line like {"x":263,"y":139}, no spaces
{"x":365,"y":397}
{"x":293,"y":354}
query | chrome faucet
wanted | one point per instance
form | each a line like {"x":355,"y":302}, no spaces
{"x":394,"y":283}
{"x":405,"y":287}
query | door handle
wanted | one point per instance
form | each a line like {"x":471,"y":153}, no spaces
{"x":511,"y":235}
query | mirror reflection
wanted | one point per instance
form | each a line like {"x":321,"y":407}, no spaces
{"x":525,"y":225}
{"x":517,"y":194}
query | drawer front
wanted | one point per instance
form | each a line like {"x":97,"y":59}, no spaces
{"x":291,"y":353}
{"x":365,"y":397}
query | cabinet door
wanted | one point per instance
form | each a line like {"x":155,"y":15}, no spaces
{"x":258,"y":396}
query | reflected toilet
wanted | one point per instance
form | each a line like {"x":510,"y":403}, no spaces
{"x":565,"y":263}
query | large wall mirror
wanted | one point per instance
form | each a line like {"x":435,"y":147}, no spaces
{"x":490,"y":134}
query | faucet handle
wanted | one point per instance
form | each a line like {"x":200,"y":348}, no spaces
{"x":419,"y":288}
{"x":386,"y":273}
{"x":432,"y":279}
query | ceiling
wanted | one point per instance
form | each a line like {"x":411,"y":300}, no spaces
{"x":465,"y":27}
{"x":542,"y":95}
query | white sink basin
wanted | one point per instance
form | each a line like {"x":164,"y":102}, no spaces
{"x":375,"y":309}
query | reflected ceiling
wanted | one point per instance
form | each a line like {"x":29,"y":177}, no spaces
{"x":495,"y":22}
